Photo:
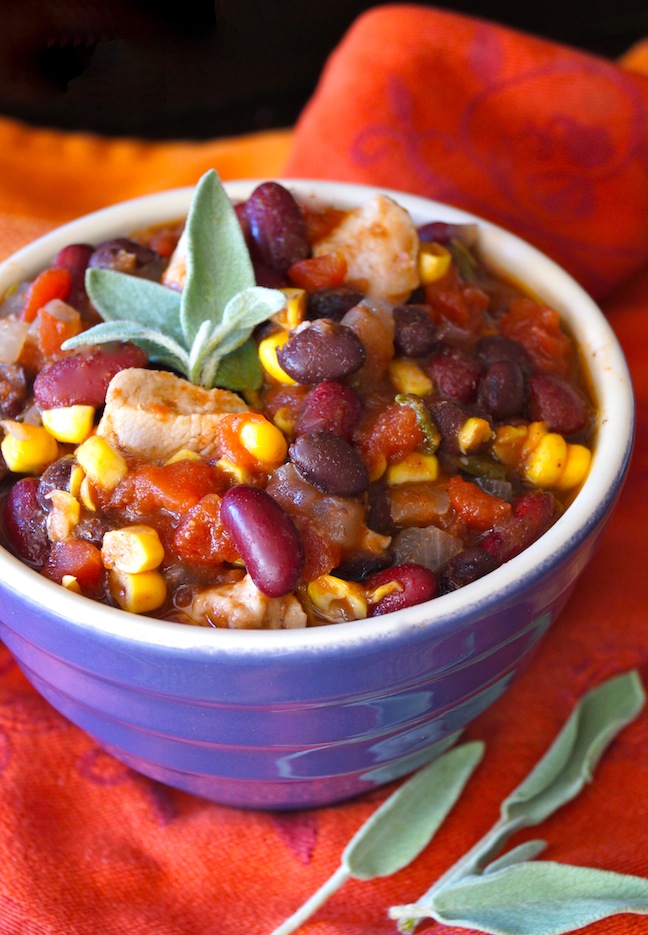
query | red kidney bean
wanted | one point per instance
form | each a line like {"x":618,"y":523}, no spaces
{"x":127,"y":256}
{"x":265,"y":537}
{"x":329,"y":463}
{"x":75,"y":258}
{"x":25,"y":522}
{"x":557,"y":403}
{"x":415,"y":333}
{"x":465,"y":567}
{"x":502,"y":390}
{"x":455,"y":374}
{"x":276,"y":226}
{"x":331,"y":406}
{"x":332,"y":302}
{"x":416,"y":584}
{"x":321,"y":350}
{"x":13,"y":390}
{"x":532,"y":513}
{"x":83,"y":378}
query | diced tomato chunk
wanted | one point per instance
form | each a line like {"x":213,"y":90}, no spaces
{"x":78,"y":558}
{"x":477,"y":508}
{"x":200,"y":536}
{"x":53,"y":283}
{"x":176,"y":487}
{"x":319,"y":272}
{"x":537,"y":328}
{"x":52,"y":332}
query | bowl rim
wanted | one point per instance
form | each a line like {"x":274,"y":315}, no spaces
{"x":504,"y":250}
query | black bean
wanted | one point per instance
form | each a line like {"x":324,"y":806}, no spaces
{"x":332,"y":302}
{"x":495,"y":347}
{"x":415,"y":332}
{"x":329,"y":463}
{"x":321,"y":350}
{"x":127,"y":256}
{"x":13,"y":390}
{"x":55,"y":477}
{"x":467,"y":566}
{"x":502,"y":390}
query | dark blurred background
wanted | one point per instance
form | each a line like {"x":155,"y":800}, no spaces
{"x":200,"y":69}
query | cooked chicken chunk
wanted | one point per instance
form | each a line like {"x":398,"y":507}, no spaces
{"x":242,"y":606}
{"x":381,"y":245}
{"x":153,"y":414}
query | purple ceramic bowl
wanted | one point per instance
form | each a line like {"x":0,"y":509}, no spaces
{"x":303,"y":718}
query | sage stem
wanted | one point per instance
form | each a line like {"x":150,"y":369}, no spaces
{"x":311,"y":905}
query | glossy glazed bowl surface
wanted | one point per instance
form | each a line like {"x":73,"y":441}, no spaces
{"x":302,"y":718}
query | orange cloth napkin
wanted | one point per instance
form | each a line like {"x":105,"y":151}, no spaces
{"x":421,"y":100}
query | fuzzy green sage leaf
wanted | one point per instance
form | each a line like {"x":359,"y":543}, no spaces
{"x":399,"y":830}
{"x":200,"y":331}
{"x":557,"y":778}
{"x":541,"y":898}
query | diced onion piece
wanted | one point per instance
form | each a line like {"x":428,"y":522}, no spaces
{"x":431,"y":547}
{"x":12,"y":338}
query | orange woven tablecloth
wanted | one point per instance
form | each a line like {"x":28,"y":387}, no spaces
{"x":548,"y":141}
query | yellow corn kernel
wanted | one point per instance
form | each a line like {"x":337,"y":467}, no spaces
{"x":546,"y":462}
{"x":337,"y":599}
{"x":294,"y":311}
{"x":185,"y":454}
{"x":415,"y":468}
{"x":139,"y":593}
{"x":77,"y":475}
{"x":71,"y":424}
{"x":27,"y":449}
{"x":71,"y":582}
{"x":132,"y":549}
{"x":474,"y":433}
{"x":103,"y":464}
{"x":63,"y":516}
{"x":284,"y":420}
{"x":408,"y":377}
{"x":235,"y":471}
{"x":88,"y":494}
{"x":433,"y":262}
{"x":268,"y":356}
{"x":263,"y":440}
{"x":577,"y":466}
{"x":509,"y":443}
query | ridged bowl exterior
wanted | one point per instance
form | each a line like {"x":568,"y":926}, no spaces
{"x":296,"y":719}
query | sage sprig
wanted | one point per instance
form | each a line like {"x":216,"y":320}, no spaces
{"x":204,"y":331}
{"x":399,"y":830}
{"x":509,"y":895}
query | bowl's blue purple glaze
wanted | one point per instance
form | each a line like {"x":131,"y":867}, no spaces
{"x":301,"y":718}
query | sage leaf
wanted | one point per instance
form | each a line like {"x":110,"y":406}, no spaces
{"x":218,"y":261}
{"x":557,"y":778}
{"x":407,"y":821}
{"x":527,"y":851}
{"x":118,"y":296}
{"x":570,"y":761}
{"x":240,"y":369}
{"x":541,"y":898}
{"x":399,"y":830}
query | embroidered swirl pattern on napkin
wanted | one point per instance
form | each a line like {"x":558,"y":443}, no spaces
{"x":544,"y":140}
